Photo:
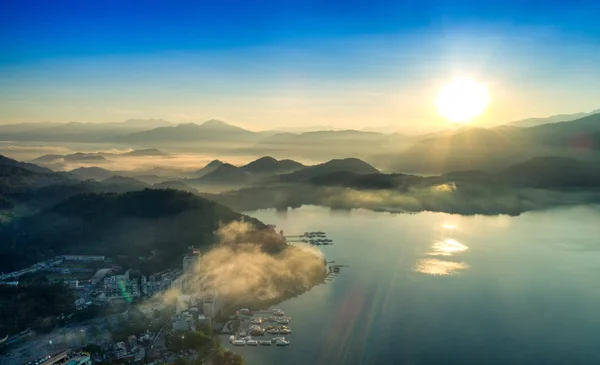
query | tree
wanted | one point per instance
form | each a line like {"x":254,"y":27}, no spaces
{"x":228,"y":358}
{"x":180,"y":361}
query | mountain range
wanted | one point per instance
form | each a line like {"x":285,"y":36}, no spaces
{"x":497,"y":148}
{"x":532,"y":122}
{"x":97,"y":156}
{"x":76,"y":131}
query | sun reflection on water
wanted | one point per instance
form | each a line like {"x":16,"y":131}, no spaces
{"x":439,"y":267}
{"x":448,"y":225}
{"x":447,"y":247}
{"x":443,"y":247}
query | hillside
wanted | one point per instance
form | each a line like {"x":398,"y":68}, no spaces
{"x":553,"y":172}
{"x":354,"y":165}
{"x":537,"y":184}
{"x":91,"y":173}
{"x":497,"y":148}
{"x":76,"y":131}
{"x":136,"y":223}
{"x":268,"y":166}
{"x":121,"y":184}
{"x":209,"y":130}
{"x":18,"y":177}
{"x":150,"y":152}
{"x":5,"y":161}
{"x":225,"y":174}
{"x":210,"y":167}
{"x":532,"y":122}
{"x":84,"y":157}
{"x":174,"y":184}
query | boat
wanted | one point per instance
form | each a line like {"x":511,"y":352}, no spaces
{"x":251,"y":342}
{"x":284,"y":330}
{"x":284,"y":320}
{"x":239,"y":343}
{"x":281,"y":341}
{"x":231,"y":339}
{"x":265,"y":342}
{"x":278,"y":312}
{"x":257,"y":320}
{"x":272,"y":331}
{"x":270,"y":319}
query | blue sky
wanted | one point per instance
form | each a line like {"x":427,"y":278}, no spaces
{"x":263,"y":64}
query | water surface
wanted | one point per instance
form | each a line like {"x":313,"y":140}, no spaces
{"x":433,"y":288}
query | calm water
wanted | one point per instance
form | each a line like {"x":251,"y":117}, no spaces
{"x":434,"y":288}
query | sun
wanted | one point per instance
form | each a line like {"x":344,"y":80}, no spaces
{"x":462,"y":99}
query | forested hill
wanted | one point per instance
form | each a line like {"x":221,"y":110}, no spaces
{"x":134,"y":224}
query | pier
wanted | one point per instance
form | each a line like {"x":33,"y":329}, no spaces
{"x":316,"y":238}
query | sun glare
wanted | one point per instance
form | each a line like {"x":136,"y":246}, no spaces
{"x":462,"y":99}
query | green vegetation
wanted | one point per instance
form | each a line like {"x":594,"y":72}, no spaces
{"x":157,"y":223}
{"x":535,"y":184}
{"x":224,"y":357}
{"x":190,"y":340}
{"x":36,"y":306}
{"x":206,"y":346}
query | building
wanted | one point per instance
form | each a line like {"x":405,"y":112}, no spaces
{"x":132,"y":341}
{"x":190,"y":259}
{"x":99,"y":276}
{"x":122,"y":287}
{"x":120,"y":350}
{"x":179,"y":324}
{"x":69,"y":358}
{"x":86,"y":258}
{"x":208,"y":307}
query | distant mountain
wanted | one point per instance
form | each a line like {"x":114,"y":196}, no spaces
{"x":75,"y":131}
{"x":163,"y":223}
{"x":93,"y":173}
{"x":5,"y":161}
{"x":98,"y":156}
{"x":329,"y":137}
{"x":210,"y":167}
{"x":175,"y":184}
{"x":309,"y":128}
{"x":268,"y":166}
{"x":210,"y":130}
{"x":84,"y":157}
{"x":20,"y":177}
{"x":553,"y":173}
{"x":497,"y":148}
{"x":225,"y":174}
{"x":144,"y":124}
{"x":121,"y":184}
{"x":48,"y":159}
{"x":532,"y":122}
{"x":151,"y":152}
{"x":353,"y":165}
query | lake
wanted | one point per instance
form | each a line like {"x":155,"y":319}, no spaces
{"x":434,"y":288}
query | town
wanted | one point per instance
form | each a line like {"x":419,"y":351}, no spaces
{"x":103,"y":325}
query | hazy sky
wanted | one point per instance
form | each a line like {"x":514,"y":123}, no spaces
{"x":266,"y":64}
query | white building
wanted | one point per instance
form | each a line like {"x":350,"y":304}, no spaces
{"x":121,"y":286}
{"x":190,"y":259}
{"x":208,"y":307}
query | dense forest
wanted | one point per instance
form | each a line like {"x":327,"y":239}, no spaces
{"x":156,"y":223}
